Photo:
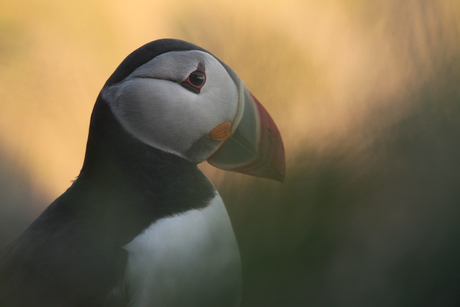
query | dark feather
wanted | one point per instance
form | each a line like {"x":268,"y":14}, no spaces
{"x":72,"y":254}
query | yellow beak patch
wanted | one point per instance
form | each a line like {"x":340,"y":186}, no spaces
{"x":221,"y":132}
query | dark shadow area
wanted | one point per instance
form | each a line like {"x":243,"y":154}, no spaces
{"x":378,"y":226}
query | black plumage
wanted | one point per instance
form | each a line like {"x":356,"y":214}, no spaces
{"x":71,"y":255}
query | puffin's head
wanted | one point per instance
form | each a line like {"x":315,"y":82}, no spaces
{"x":179,"y":98}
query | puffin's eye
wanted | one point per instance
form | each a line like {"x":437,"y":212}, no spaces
{"x":195,"y":80}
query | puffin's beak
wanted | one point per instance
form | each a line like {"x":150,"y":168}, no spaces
{"x":254,"y":145}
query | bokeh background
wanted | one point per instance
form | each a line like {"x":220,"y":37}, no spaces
{"x":366,"y":95}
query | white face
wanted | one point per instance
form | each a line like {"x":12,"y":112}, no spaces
{"x":153,"y":106}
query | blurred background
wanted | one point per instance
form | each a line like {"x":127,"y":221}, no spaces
{"x":366,"y":95}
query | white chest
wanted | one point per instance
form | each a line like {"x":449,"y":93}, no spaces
{"x":190,"y":259}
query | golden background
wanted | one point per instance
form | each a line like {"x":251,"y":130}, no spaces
{"x":365,"y":93}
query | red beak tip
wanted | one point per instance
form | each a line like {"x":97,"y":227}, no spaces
{"x":268,"y":172}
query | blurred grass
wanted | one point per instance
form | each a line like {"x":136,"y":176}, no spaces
{"x":377,"y":227}
{"x":365,"y":94}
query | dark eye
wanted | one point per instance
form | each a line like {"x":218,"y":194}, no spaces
{"x":195,"y":80}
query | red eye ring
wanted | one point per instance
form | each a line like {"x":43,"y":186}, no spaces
{"x":196,"y":80}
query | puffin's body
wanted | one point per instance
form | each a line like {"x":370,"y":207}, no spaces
{"x":141,"y":225}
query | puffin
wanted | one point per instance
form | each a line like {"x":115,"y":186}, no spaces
{"x":142,"y":226}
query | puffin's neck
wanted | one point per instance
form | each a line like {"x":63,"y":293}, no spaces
{"x":125,"y":185}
